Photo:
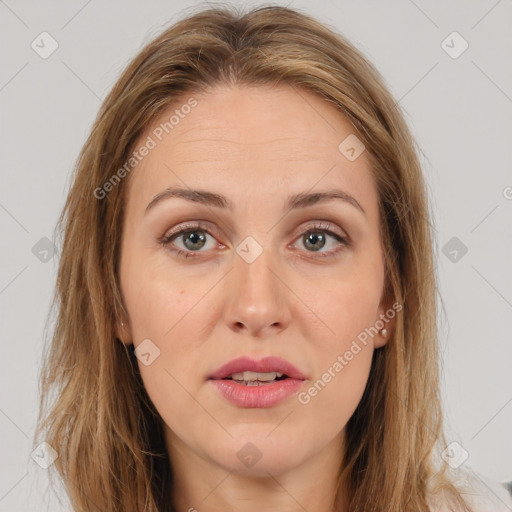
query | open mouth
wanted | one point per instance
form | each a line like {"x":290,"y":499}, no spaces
{"x":256,"y":378}
{"x":247,"y":382}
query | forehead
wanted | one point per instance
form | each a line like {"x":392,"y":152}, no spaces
{"x":251,"y":138}
{"x":275,"y":121}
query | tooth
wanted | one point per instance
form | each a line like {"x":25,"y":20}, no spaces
{"x":255,"y":376}
{"x":259,"y":376}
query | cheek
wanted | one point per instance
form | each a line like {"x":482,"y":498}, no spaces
{"x":342,"y":342}
{"x":164,"y":305}
{"x":335,"y":392}
{"x":344,"y":309}
{"x":343,"y":363}
{"x":176,"y":314}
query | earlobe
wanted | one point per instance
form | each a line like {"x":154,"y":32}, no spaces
{"x":123,"y":333}
{"x":385,"y":325}
{"x":382,"y":337}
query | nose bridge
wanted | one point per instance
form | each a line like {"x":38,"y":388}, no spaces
{"x":254,"y":268}
{"x":256,"y":297}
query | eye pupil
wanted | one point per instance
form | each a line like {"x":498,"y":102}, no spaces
{"x":315,"y":237}
{"x":194,"y":238}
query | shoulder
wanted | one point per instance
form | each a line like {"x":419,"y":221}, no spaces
{"x":481,"y":493}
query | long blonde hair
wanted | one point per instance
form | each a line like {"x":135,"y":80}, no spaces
{"x":94,"y":410}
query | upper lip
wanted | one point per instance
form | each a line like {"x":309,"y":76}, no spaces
{"x":267,"y":364}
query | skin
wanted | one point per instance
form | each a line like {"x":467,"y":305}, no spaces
{"x":255,"y":145}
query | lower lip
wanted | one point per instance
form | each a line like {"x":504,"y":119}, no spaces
{"x":265,"y":395}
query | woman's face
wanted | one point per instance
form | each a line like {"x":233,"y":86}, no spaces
{"x":256,"y":279}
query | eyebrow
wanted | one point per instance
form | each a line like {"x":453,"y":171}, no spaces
{"x":301,"y":200}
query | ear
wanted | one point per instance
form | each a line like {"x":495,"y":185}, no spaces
{"x":123,"y":332}
{"x":387,"y":312}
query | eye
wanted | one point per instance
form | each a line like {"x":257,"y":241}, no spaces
{"x":317,"y":237}
{"x":194,"y":237}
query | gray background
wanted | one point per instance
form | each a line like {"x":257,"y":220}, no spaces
{"x":459,"y":109}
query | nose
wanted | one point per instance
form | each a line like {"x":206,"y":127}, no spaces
{"x":258,"y":298}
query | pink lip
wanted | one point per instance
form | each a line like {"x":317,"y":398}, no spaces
{"x":267,"y":364}
{"x":265,"y":395}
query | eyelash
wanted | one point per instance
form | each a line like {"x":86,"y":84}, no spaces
{"x":167,"y":238}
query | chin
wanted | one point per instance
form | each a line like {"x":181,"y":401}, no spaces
{"x":252,"y":451}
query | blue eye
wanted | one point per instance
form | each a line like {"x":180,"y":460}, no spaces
{"x":318,"y":237}
{"x":194,"y":237}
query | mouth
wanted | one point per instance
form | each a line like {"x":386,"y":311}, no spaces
{"x":247,"y":370}
{"x":246,"y":382}
{"x":248,"y":378}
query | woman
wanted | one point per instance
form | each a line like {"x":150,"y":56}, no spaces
{"x":246,"y":294}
